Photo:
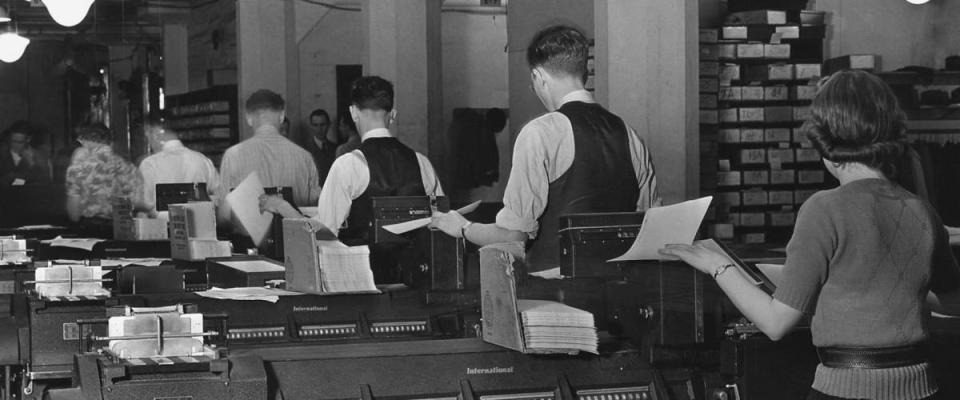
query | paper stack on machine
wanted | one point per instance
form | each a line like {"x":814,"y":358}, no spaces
{"x":128,"y":227}
{"x":549,"y":325}
{"x":69,"y":282}
{"x":318,"y":263}
{"x":161,"y":332}
{"x":193,"y":232}
{"x":13,"y":250}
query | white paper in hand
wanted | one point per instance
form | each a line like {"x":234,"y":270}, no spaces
{"x":404,"y":227}
{"x":677,"y":223}
{"x":244,"y":201}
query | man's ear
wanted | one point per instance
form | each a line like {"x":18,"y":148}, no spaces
{"x":354,"y":113}
{"x":392,"y":117}
{"x":283,"y":114}
{"x":249,"y":118}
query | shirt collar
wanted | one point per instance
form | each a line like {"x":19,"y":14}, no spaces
{"x":16,"y":157}
{"x":172,"y":145}
{"x":577,"y":95}
{"x":376,"y":133}
{"x":266,"y":130}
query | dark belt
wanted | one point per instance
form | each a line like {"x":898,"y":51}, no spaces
{"x":872,"y":357}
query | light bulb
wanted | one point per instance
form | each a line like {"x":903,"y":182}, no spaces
{"x":68,"y":12}
{"x":12,"y":46}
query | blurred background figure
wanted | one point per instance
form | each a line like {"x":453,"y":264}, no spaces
{"x":347,"y":135}
{"x":320,"y":147}
{"x":20,"y":162}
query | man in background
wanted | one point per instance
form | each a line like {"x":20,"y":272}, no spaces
{"x":172,"y":162}
{"x":277,"y":161}
{"x":323,"y":150}
{"x":20,"y":163}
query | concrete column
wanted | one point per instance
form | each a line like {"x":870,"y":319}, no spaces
{"x":175,"y":74}
{"x":403,"y":46}
{"x":263,"y":53}
{"x":646,"y":65}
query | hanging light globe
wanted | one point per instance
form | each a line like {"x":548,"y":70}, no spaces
{"x":68,"y":12}
{"x":12,"y":46}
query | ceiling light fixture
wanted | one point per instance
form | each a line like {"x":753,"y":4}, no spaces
{"x":4,"y":16}
{"x":12,"y":46}
{"x":917,"y":1}
{"x":68,"y":12}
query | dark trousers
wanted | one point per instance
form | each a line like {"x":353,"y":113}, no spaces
{"x":815,"y":395}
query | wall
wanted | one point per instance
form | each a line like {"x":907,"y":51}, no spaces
{"x":33,"y":89}
{"x":335,"y":39}
{"x":475,"y":76}
{"x":212,"y":44}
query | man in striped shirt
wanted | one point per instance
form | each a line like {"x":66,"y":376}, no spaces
{"x":277,"y":160}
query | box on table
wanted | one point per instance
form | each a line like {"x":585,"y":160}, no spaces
{"x":193,"y":232}
{"x":243,"y":271}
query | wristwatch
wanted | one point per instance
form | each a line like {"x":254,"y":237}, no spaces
{"x":720,"y":270}
{"x":463,"y":230}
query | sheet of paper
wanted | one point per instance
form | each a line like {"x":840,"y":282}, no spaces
{"x":665,"y":225}
{"x":247,"y":293}
{"x":76,"y":243}
{"x":244,"y":201}
{"x":408,"y":226}
{"x":38,"y":227}
{"x":552,"y":273}
{"x":18,"y":182}
{"x":253,"y":266}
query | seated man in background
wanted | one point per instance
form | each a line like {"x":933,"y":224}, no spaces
{"x":172,"y":162}
{"x":20,"y":163}
{"x":576,"y":158}
{"x":277,"y":161}
{"x":95,"y":176}
{"x":382,"y":166}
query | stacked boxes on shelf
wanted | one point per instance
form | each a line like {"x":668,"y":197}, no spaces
{"x":768,"y":63}
{"x":710,"y":128}
{"x":206,"y":119}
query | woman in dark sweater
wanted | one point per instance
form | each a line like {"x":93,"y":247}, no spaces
{"x":862,"y":258}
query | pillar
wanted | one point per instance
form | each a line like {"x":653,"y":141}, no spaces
{"x":646,"y":72}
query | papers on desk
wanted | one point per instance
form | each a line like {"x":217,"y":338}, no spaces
{"x":38,"y":227}
{"x":76,"y":243}
{"x":253,"y":266}
{"x":247,"y":293}
{"x":408,"y":226}
{"x":244,"y":201}
{"x":550,"y":326}
{"x":346,"y":269}
{"x":117,"y":262}
{"x":665,"y":225}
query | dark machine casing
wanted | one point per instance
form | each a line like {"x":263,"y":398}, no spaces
{"x":587,"y":241}
{"x":396,"y":209}
{"x":457,"y":368}
{"x":230,"y":378}
{"x":175,"y":193}
{"x":223,"y":276}
{"x":436,"y":261}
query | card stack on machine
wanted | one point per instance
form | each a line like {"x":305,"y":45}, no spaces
{"x":549,"y":325}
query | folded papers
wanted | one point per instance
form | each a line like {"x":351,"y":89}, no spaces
{"x":549,"y":326}
{"x":247,"y":293}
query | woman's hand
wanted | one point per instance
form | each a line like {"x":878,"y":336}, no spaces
{"x":703,"y":259}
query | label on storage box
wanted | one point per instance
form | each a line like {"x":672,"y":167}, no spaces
{"x":730,"y":93}
{"x":728,"y":199}
{"x":751,"y":114}
{"x":782,"y":176}
{"x":781,"y":197}
{"x":731,"y":178}
{"x":804,"y":92}
{"x":729,"y":136}
{"x":752,"y":219}
{"x":751,"y":135}
{"x":780,"y":155}
{"x":753,"y":156}
{"x":728,"y":115}
{"x":776,"y":135}
{"x":752,"y":93}
{"x":756,"y":177}
{"x":808,"y":176}
{"x":774,"y":93}
{"x":754,"y":198}
{"x":808,"y":155}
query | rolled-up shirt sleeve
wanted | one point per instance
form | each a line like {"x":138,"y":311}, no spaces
{"x":525,"y":196}
{"x":646,"y":176}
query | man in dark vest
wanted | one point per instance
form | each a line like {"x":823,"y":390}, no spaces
{"x":382,"y":166}
{"x":577,"y":158}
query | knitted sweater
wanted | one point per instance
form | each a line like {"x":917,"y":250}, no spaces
{"x":861,"y":260}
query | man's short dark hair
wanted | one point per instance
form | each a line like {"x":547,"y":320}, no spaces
{"x":560,"y":49}
{"x":264,"y":99}
{"x":98,"y":133}
{"x":372,"y":93}
{"x":19,"y":126}
{"x":855,"y":117}
{"x":319,"y":112}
